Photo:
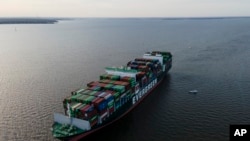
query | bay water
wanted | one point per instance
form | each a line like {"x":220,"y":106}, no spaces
{"x":40,"y":64}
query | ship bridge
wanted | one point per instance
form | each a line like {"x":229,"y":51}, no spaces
{"x":122,"y":71}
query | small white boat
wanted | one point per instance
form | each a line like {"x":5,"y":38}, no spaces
{"x":193,"y":91}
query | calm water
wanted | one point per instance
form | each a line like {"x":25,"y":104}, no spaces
{"x":41,"y":64}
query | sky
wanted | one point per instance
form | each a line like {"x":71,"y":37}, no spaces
{"x":124,"y":8}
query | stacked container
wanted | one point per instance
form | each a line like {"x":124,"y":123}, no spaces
{"x":113,"y":104}
{"x":104,"y":97}
{"x":119,"y":88}
{"x":166,"y":55}
{"x":88,"y":112}
{"x":110,"y":77}
{"x":130,"y":80}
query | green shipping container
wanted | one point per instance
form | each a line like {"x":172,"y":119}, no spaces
{"x":79,"y":108}
{"x":93,"y":93}
{"x":119,"y":88}
{"x":108,"y":86}
{"x":89,"y":99}
{"x":111,"y":104}
{"x":115,"y":77}
{"x":116,"y":95}
{"x":82,"y":98}
{"x":75,"y":97}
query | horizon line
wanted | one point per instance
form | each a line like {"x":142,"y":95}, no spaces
{"x":181,"y":17}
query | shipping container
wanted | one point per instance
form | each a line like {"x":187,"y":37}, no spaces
{"x":108,"y":97}
{"x":100,"y":94}
{"x":89,"y":99}
{"x":94,"y":88}
{"x":74,"y":98}
{"x":111,"y":110}
{"x":82,"y":98}
{"x":111,"y":103}
{"x":87,"y":108}
{"x":123,"y":99}
{"x":93,"y":92}
{"x":95,"y":100}
{"x":130,"y":80}
{"x":105,"y":81}
{"x":75,"y":106}
{"x":118,"y":82}
{"x":77,"y":91}
{"x":102,"y":116}
{"x":78,"y":109}
{"x":119,"y":88}
{"x":66,"y":100}
{"x":117,"y":103}
{"x":86,"y":91}
{"x":93,"y":121}
{"x":113,"y":93}
{"x":154,"y":61}
{"x":109,"y":76}
{"x":100,"y":104}
{"x":108,"y":86}
{"x":88,"y":114}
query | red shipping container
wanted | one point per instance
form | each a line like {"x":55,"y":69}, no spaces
{"x":92,"y":88}
{"x":118,"y":82}
{"x":93,"y":113}
{"x":111,"y":110}
{"x":95,"y":100}
{"x":96,"y":94}
{"x":105,"y":81}
{"x":90,"y":84}
{"x":109,"y":91}
{"x":87,"y":108}
{"x":98,"y":102}
{"x":126,"y":84}
{"x":89,"y":115}
{"x":103,"y":112}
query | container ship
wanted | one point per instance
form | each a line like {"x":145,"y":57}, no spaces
{"x":105,"y":101}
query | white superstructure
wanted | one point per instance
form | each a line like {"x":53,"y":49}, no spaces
{"x":122,"y":71}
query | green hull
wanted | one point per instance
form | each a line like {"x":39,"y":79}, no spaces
{"x":63,"y":130}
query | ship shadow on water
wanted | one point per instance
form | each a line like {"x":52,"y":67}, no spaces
{"x":134,"y":125}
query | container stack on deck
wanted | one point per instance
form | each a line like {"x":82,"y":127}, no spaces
{"x":147,"y":69}
{"x":167,"y":58}
{"x":99,"y":99}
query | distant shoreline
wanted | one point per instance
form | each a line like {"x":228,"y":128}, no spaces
{"x":202,"y":18}
{"x":28,"y":20}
